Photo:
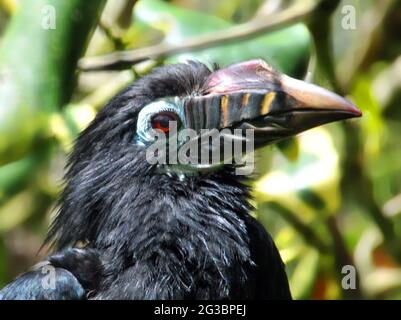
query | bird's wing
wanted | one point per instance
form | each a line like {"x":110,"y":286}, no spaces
{"x":44,"y":283}
{"x":271,"y":279}
{"x":68,"y":275}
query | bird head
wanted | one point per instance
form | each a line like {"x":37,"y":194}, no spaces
{"x":224,"y":105}
{"x":108,"y":169}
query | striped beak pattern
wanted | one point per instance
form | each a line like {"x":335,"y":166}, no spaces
{"x":252,"y":95}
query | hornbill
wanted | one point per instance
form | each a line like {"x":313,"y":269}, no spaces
{"x":129,"y":229}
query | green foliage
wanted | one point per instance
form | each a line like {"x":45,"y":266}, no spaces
{"x":36,"y":64}
{"x":178,"y":24}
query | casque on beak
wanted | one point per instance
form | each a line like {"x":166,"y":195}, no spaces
{"x":252,"y":95}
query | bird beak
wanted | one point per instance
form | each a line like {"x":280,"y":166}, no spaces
{"x":252,"y":95}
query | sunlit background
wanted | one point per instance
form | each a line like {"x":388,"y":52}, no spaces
{"x":330,"y":197}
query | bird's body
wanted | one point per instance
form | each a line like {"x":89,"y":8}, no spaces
{"x":150,"y":233}
{"x":191,"y":239}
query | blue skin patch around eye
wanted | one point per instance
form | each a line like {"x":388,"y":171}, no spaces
{"x":144,"y":129}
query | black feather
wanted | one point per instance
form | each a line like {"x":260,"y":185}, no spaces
{"x":158,"y":235}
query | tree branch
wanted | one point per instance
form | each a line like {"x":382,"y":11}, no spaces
{"x":123,"y":59}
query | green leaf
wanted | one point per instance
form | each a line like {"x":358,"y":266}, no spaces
{"x":288,"y":49}
{"x":304,"y":275}
{"x":16,"y":175}
{"x":38,"y":55}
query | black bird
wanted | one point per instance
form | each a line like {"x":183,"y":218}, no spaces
{"x":129,"y":229}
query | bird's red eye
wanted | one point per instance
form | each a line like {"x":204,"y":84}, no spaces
{"x":162,"y":120}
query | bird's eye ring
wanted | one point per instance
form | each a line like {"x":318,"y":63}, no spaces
{"x":163,"y":120}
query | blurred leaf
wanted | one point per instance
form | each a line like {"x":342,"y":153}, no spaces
{"x":372,"y":121}
{"x":67,"y":125}
{"x":381,"y":146}
{"x":289,"y":244}
{"x":177,"y":24}
{"x":383,"y":280}
{"x":31,"y":88}
{"x":387,"y":84}
{"x":8,"y":5}
{"x":21,"y":205}
{"x":304,"y":275}
{"x":141,"y":35}
{"x":289,"y":148}
{"x":325,"y":287}
{"x":308,"y":186}
{"x":15,"y":176}
{"x":351,"y":46}
{"x":237,"y":10}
